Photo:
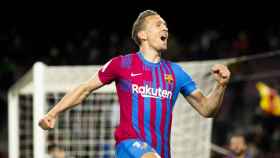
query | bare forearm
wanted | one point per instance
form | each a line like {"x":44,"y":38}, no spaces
{"x":76,"y":96}
{"x":214,"y":100}
{"x":70,"y":100}
{"x":209,"y":105}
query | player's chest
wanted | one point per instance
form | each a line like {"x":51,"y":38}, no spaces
{"x":150,"y":77}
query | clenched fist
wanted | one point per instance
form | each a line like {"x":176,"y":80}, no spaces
{"x":47,"y":122}
{"x":221,"y":74}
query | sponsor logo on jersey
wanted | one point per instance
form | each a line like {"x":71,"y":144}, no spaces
{"x":147,"y":91}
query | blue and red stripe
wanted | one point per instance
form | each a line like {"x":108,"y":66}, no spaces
{"x":163,"y":118}
{"x":153,"y":114}
{"x":166,"y":118}
{"x":159,"y":110}
{"x":171,"y":101}
{"x":168,"y":115}
{"x":147,"y":117}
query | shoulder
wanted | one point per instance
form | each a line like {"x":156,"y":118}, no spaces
{"x":128,"y":57}
{"x":125,"y":57}
{"x":180,"y":73}
{"x":122,"y":61}
{"x":119,"y":58}
{"x":175,"y":66}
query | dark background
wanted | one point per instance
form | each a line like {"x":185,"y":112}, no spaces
{"x":92,"y":34}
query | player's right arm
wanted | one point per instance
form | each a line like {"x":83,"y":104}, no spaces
{"x":71,"y":99}
{"x":108,"y":73}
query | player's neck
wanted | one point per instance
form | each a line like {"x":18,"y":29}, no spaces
{"x":150,"y":54}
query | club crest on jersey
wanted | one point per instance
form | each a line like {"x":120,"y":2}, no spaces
{"x":168,"y":78}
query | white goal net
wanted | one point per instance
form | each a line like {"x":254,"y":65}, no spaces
{"x":87,"y":130}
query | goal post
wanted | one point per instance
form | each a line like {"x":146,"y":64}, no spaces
{"x":28,"y":102}
{"x":87,"y":130}
{"x":32,"y":83}
{"x":13,"y":113}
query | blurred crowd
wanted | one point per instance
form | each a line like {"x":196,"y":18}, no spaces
{"x":94,"y":46}
{"x":97,"y":45}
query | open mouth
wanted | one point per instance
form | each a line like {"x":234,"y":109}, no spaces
{"x":163,"y":38}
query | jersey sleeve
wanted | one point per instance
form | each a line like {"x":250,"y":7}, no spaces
{"x":185,"y":83}
{"x":109,"y":72}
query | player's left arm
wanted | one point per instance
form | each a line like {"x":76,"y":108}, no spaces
{"x":209,"y":105}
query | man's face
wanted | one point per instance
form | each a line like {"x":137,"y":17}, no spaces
{"x":238,"y":145}
{"x":156,"y":32}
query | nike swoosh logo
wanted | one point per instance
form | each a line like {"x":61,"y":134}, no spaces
{"x":133,"y":75}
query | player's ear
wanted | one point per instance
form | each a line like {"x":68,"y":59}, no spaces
{"x":142,"y":35}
